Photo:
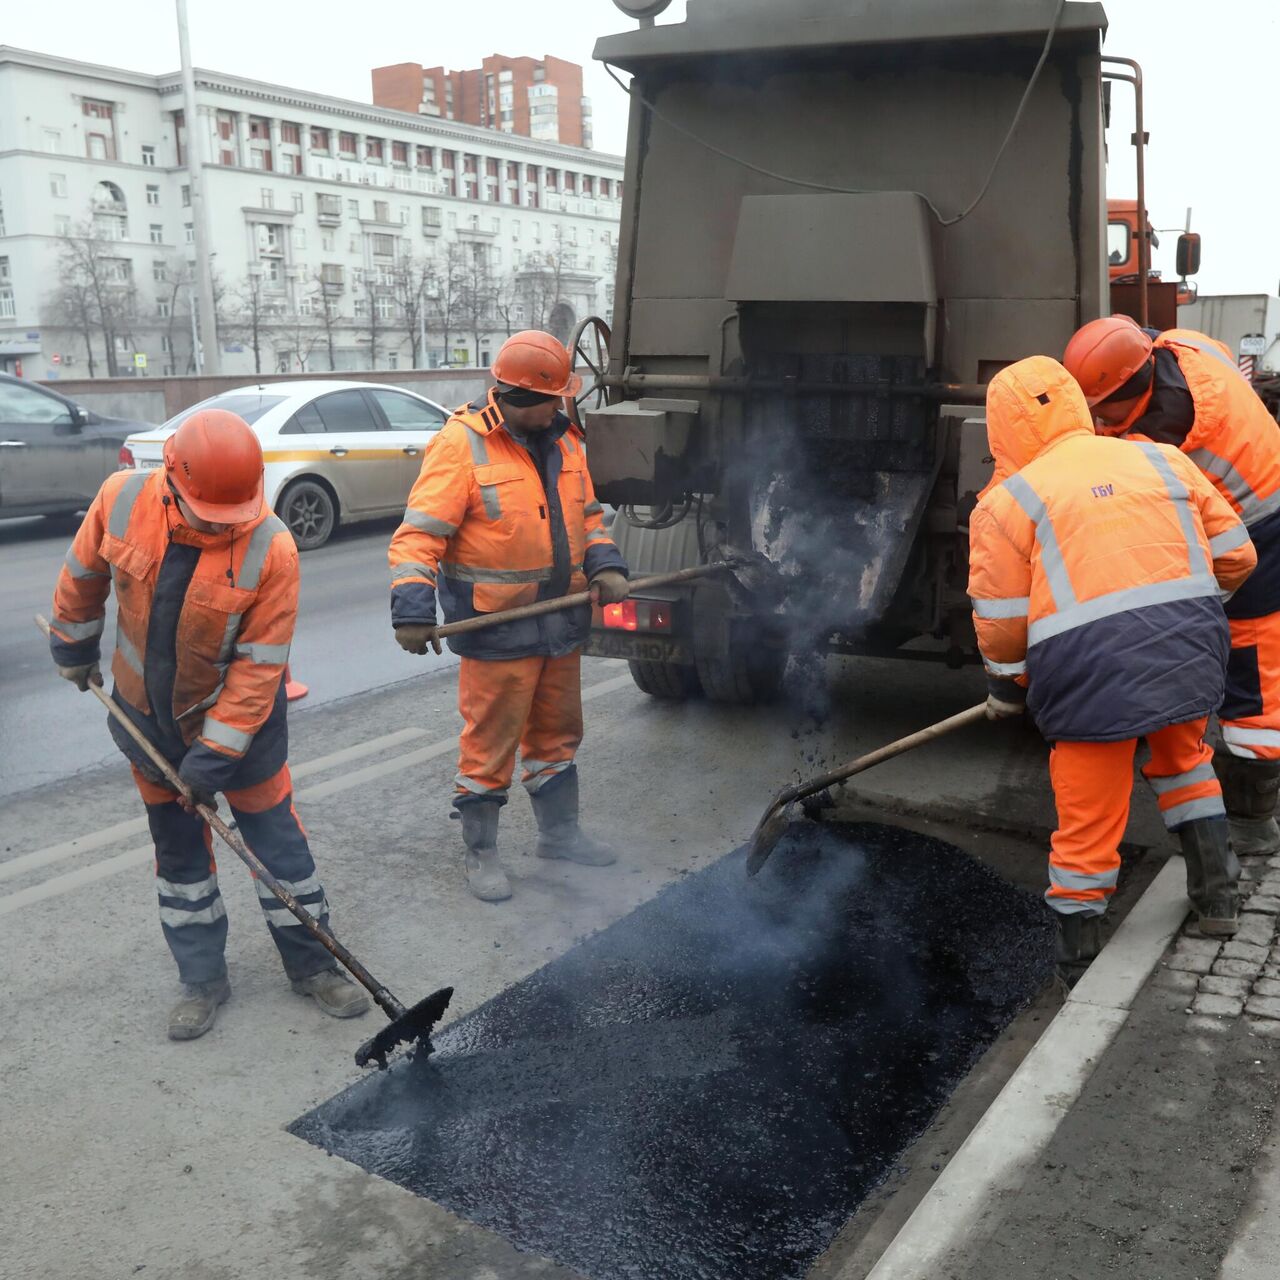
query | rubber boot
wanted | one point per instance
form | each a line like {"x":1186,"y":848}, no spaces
{"x":1079,"y":938}
{"x":1213,"y":876}
{"x":197,"y":1011}
{"x":559,"y":836}
{"x":334,"y":992}
{"x":485,"y":876}
{"x":1249,"y":789}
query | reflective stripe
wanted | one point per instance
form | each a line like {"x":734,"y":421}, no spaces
{"x":1252,"y":508}
{"x":464,"y":573}
{"x":540,"y":773}
{"x":1205,"y":807}
{"x":1061,"y":878}
{"x":411,"y":569}
{"x":80,"y":630}
{"x":1051,"y":560}
{"x":229,"y":633}
{"x":477,"y":788}
{"x":1182,"y":504}
{"x":299,"y":889}
{"x":1201,"y":773}
{"x":256,"y":555}
{"x":124,"y":647}
{"x":1221,"y":543}
{"x":187,"y":892}
{"x":177,"y":918}
{"x":492,"y":503}
{"x":1006,"y":668}
{"x":480,"y":458}
{"x":1009,"y":607}
{"x":267,"y":654}
{"x":429,"y":524}
{"x":122,"y":508}
{"x":1209,"y":349}
{"x":284,"y":918}
{"x":225,"y":735}
{"x":204,"y":704}
{"x":479,"y":450}
{"x":77,"y":570}
{"x":1122,"y":601}
{"x":597,"y":535}
{"x":1235,"y":734}
{"x":592,"y":509}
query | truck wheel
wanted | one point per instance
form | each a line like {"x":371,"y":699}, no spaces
{"x":744,"y":676}
{"x":309,"y":511}
{"x":669,"y":680}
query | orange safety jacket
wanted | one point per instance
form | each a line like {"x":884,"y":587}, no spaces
{"x":495,"y":521}
{"x":1096,"y":566}
{"x":203,"y":628}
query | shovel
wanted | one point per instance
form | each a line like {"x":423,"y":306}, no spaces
{"x":773,"y":824}
{"x":407,"y":1024}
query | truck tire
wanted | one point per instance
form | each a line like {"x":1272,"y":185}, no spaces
{"x":668,"y":680}
{"x":744,"y":676}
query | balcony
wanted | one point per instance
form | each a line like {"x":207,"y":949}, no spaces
{"x":329,"y":215}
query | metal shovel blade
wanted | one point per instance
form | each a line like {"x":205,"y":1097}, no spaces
{"x":413,"y":1025}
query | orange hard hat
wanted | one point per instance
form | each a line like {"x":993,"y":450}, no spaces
{"x":535,"y":361}
{"x":214,"y":461}
{"x":1104,"y":354}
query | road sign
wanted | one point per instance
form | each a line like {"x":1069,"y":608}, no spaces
{"x":139,"y":360}
{"x":1253,"y":344}
{"x":56,"y":358}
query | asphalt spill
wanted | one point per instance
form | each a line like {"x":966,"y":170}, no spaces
{"x":709,"y":1087}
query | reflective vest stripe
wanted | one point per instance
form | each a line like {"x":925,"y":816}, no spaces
{"x":77,"y":570}
{"x":1208,"y":349}
{"x":463,"y":783}
{"x":255,"y":555}
{"x":429,"y":524}
{"x":1005,"y":668}
{"x":187,"y":892}
{"x":125,"y":648}
{"x":1252,"y":508}
{"x":79,"y":630}
{"x":1051,"y":560}
{"x":1062,"y":878}
{"x":181,"y":917}
{"x":465,"y":573}
{"x":1221,"y":543}
{"x":1201,"y":773}
{"x":592,"y":509}
{"x":480,"y":458}
{"x":1250,"y":737}
{"x":1182,"y":503}
{"x":267,"y":654}
{"x":412,"y":569}
{"x":1122,"y":601}
{"x":1009,"y":607}
{"x":229,"y":633}
{"x":1192,"y":810}
{"x":226,"y":735}
{"x":122,"y":508}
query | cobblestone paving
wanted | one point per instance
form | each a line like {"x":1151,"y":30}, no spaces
{"x":1227,"y":980}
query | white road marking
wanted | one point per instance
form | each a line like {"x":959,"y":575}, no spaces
{"x":136,"y":826}
{"x":96,"y":871}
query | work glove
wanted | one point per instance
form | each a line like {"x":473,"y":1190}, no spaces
{"x":82,"y":677}
{"x":609,"y":586}
{"x":999,"y":709}
{"x":206,"y":798}
{"x":414,"y":637}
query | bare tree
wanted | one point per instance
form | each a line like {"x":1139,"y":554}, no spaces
{"x":446,"y":290}
{"x":477,"y":296}
{"x":72,"y":304}
{"x":97,"y":284}
{"x":414,"y":277}
{"x":294,"y":338}
{"x":542,"y":280}
{"x":325,"y":292}
{"x":251,"y":318}
{"x":508,"y":299}
{"x":370,"y":302}
{"x":172,"y":292}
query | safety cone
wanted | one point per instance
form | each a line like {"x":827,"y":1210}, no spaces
{"x":293,"y":689}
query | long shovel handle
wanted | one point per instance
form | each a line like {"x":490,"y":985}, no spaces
{"x":540,"y":607}
{"x":386,"y":1001}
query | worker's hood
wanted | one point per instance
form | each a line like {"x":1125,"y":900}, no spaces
{"x":1032,"y":405}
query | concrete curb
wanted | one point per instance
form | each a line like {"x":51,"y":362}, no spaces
{"x":965,"y":1205}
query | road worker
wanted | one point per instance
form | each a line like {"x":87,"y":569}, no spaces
{"x":503,"y":514}
{"x":1095,"y":568}
{"x":1183,"y":389}
{"x":206,"y":582}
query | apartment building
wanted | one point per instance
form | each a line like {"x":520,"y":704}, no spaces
{"x":338,"y":228}
{"x":538,"y":98}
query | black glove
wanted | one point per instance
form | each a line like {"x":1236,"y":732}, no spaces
{"x":414,"y":637}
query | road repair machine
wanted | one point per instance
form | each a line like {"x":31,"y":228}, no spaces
{"x":840,"y":219}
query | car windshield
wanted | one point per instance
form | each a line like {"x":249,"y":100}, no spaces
{"x":248,"y":405}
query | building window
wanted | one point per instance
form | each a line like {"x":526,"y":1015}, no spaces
{"x":296,"y":197}
{"x":225,"y":126}
{"x":157,"y":233}
{"x":400,"y":153}
{"x":515,"y":231}
{"x":53,"y":141}
{"x":513,"y":171}
{"x":449,"y":160}
{"x":353,"y":208}
{"x":153,"y":195}
{"x":381,"y":211}
{"x":570,"y":183}
{"x":470,"y":164}
{"x":58,"y":185}
{"x":553,"y":179}
{"x":166,"y":346}
{"x":373,"y":149}
{"x":490,"y":168}
{"x":384,"y":246}
{"x":164,"y":308}
{"x":96,"y":146}
{"x":118,"y":270}
{"x":299,"y":237}
{"x":426,"y":158}
{"x":61,"y":224}
{"x":267,"y":198}
{"x":320,"y":140}
{"x":495,"y":225}
{"x":293,"y":162}
{"x":259,"y":159}
{"x":327,"y":241}
{"x":226,"y":158}
{"x":331,"y":274}
{"x":269,"y":238}
{"x":347,"y":144}
{"x":186,"y":197}
{"x":159,"y":271}
{"x":290,"y":133}
{"x":604,"y":188}
{"x":190,"y":231}
{"x":430,"y":216}
{"x":259,"y":128}
{"x":588,"y":185}
{"x":472,"y":191}
{"x":385,"y":306}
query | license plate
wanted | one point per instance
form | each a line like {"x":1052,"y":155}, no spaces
{"x":636,"y":648}
{"x":146,"y":465}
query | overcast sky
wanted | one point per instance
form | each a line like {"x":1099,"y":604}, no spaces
{"x":1209,"y":69}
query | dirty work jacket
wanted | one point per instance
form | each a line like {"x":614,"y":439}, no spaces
{"x":203,"y":630}
{"x":1200,"y":403}
{"x":1095,"y":567}
{"x":493,"y":522}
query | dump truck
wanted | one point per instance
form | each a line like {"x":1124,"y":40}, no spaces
{"x":840,"y":219}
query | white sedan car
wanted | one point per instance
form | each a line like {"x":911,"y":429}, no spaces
{"x":335,"y":452}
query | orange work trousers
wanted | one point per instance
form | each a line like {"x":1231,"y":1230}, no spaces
{"x":1250,"y":716}
{"x":534,"y":704}
{"x":1092,"y":782}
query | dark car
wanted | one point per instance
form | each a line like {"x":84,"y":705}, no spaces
{"x":54,"y":453}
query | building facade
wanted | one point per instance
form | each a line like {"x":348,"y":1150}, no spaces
{"x":535,"y":98}
{"x":341,"y":234}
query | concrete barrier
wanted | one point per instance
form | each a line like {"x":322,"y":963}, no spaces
{"x":157,"y":399}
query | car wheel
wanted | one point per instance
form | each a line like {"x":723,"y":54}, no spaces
{"x":309,"y":512}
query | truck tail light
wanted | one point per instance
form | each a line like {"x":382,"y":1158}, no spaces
{"x":126,"y":458}
{"x":638,"y":615}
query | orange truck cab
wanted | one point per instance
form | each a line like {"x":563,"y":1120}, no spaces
{"x":1163,"y":297}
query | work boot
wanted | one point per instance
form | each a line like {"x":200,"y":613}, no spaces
{"x":556,"y":808}
{"x":1079,"y":938}
{"x":1213,"y":876}
{"x":334,"y":992}
{"x":1249,"y":789}
{"x":197,"y":1011}
{"x":485,"y":877}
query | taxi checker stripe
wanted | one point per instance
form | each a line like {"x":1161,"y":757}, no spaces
{"x":429,"y":524}
{"x":1181,"y":501}
{"x":1055,"y":567}
{"x":1201,"y":773}
{"x":226,"y":735}
{"x":1009,"y":607}
{"x":1221,"y":543}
